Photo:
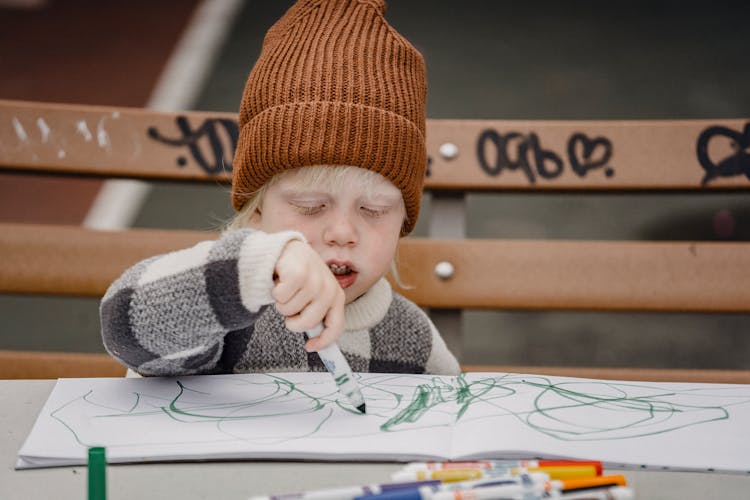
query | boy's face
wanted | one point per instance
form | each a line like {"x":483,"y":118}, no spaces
{"x":355,"y":229}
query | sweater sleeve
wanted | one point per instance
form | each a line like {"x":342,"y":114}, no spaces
{"x":170,"y":314}
{"x":441,"y":360}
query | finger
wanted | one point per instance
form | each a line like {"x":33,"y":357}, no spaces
{"x":296,"y":304}
{"x":310,"y":316}
{"x":316,"y":310}
{"x":284,"y":289}
{"x":291,"y":271}
{"x":333,"y":326}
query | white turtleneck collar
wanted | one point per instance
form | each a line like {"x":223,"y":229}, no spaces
{"x":370,"y":309}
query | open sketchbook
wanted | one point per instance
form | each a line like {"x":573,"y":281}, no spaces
{"x":409,"y":417}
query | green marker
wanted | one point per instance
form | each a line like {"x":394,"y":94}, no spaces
{"x":336,"y":363}
{"x":97,"y":474}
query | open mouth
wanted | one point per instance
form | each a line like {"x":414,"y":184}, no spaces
{"x":340,"y":269}
{"x":343,"y":272}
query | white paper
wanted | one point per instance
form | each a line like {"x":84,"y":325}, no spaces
{"x":409,"y":417}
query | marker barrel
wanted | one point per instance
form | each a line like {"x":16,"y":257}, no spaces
{"x":347,"y":492}
{"x":528,"y":483}
{"x":611,"y":493}
{"x":336,"y":364}
{"x":554,"y":472}
{"x":589,"y":482}
{"x":97,"y":471}
{"x":447,"y":475}
{"x":502,"y":464}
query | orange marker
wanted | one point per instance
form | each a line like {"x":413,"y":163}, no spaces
{"x":589,"y":482}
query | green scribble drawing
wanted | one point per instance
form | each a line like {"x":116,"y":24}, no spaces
{"x":265,"y":409}
{"x":639,"y":409}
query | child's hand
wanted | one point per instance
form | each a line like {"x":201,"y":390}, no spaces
{"x":307,"y":293}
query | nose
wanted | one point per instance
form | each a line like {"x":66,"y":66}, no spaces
{"x":340,"y":230}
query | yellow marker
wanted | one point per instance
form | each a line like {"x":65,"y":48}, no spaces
{"x":447,"y":476}
{"x":562,"y":471}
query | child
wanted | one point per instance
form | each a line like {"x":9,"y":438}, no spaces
{"x":328,"y":175}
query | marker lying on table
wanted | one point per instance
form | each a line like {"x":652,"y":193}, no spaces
{"x":583,"y":483}
{"x":529,"y":486}
{"x":502,"y":464}
{"x":97,"y":471}
{"x":447,"y":476}
{"x":532,"y":485}
{"x":371,"y":490}
{"x":610,"y":493}
{"x":532,"y":488}
{"x":554,"y":471}
{"x":346,"y":492}
{"x":342,"y":374}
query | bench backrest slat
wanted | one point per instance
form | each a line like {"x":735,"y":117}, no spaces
{"x":490,"y":154}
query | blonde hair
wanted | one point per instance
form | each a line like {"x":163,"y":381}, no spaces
{"x":330,"y":178}
{"x":318,"y":176}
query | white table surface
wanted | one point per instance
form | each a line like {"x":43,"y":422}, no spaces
{"x":21,"y":400}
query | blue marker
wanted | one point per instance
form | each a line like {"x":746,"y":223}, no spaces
{"x":425,"y":491}
{"x":348,"y":492}
{"x":338,"y":367}
{"x":428,"y":492}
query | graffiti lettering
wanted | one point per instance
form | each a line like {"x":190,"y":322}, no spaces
{"x":502,"y":161}
{"x":220,"y":158}
{"x":581,"y":154}
{"x":534,"y":160}
{"x":736,"y":164}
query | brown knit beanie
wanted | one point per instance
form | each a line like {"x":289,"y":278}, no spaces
{"x":335,"y":84}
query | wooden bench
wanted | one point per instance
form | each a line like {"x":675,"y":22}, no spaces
{"x":444,"y":268}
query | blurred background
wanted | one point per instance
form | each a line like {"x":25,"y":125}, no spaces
{"x":493,"y":59}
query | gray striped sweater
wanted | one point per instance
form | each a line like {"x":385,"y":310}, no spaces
{"x":208,"y":309}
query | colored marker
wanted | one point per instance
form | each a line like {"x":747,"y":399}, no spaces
{"x":448,"y":475}
{"x":588,"y":482}
{"x":555,"y":472}
{"x":501,"y":464}
{"x":97,"y":471}
{"x":448,"y":490}
{"x":347,"y":492}
{"x":612,"y":493}
{"x":526,"y":486}
{"x":338,"y":367}
{"x":561,"y":471}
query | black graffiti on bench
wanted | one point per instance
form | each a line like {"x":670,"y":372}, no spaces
{"x":736,"y":164}
{"x":583,"y":154}
{"x":589,"y":161}
{"x":220,"y":160}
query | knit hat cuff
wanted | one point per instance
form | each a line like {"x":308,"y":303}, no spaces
{"x":331,"y":133}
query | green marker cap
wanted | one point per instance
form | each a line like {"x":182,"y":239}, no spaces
{"x":97,"y":473}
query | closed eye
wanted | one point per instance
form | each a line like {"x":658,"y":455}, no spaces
{"x":308,"y":209}
{"x":374,"y":212}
